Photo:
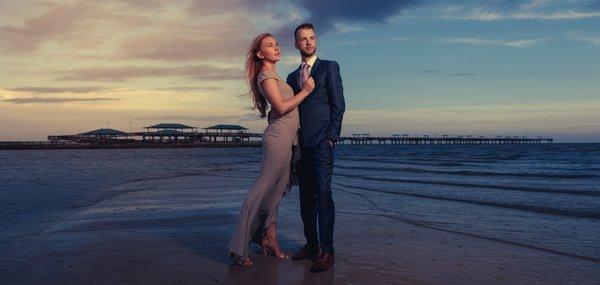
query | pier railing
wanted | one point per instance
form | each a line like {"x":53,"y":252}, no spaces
{"x":407,"y":140}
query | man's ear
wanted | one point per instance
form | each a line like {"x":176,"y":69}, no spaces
{"x":296,"y":45}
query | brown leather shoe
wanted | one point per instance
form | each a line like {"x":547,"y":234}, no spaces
{"x":323,"y":263}
{"x":307,"y":253}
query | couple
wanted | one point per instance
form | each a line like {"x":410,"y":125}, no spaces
{"x":311,"y":105}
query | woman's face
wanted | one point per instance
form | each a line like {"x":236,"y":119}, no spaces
{"x":269,"y":50}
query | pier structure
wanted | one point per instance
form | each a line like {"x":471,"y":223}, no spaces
{"x":99,"y":136}
{"x":168,"y":132}
{"x":104,"y":133}
{"x":164,"y":134}
{"x":406,"y":139}
{"x":233,"y":133}
{"x":179,"y":135}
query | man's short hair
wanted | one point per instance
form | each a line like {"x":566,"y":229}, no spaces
{"x":303,"y":26}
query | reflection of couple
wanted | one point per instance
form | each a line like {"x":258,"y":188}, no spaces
{"x":312,"y":100}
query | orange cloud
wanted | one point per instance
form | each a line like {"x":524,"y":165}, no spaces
{"x":117,"y":74}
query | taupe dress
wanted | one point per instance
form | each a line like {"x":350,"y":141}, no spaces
{"x":262,"y":201}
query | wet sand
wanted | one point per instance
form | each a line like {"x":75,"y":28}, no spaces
{"x":174,"y":230}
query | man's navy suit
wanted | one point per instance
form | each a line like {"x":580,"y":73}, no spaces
{"x":320,"y":122}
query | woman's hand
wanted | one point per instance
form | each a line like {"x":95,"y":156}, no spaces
{"x":309,"y":85}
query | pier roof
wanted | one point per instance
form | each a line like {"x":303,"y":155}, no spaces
{"x":169,"y":126}
{"x":226,"y":127}
{"x":167,"y":133}
{"x":104,"y":132}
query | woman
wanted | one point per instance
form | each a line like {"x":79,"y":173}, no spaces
{"x":257,"y":221}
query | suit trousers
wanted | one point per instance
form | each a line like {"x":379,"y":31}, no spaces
{"x":315,"y":169}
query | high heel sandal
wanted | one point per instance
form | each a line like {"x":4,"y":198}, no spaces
{"x":267,"y":249}
{"x":241,"y":260}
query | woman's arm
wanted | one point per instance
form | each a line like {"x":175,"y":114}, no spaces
{"x":278,"y":103}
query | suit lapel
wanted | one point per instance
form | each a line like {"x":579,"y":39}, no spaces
{"x":315,"y":68}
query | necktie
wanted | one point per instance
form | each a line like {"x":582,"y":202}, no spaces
{"x":304,"y":73}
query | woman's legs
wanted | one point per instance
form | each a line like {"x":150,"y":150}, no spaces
{"x":248,"y":220}
{"x":271,"y":205}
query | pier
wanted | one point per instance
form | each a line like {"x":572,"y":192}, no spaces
{"x":170,"y":135}
{"x":405,"y":139}
{"x":164,"y":134}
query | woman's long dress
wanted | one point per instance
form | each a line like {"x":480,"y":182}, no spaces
{"x":262,"y":202}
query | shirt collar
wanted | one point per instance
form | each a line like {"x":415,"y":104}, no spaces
{"x":311,"y":60}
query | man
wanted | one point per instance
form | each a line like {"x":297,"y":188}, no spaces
{"x":320,"y":126}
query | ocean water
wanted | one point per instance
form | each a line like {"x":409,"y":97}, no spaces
{"x":544,"y":197}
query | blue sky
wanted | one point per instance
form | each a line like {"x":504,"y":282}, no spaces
{"x":527,"y":68}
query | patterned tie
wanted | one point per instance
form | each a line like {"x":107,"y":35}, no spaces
{"x":304,"y":73}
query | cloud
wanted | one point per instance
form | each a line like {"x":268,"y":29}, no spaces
{"x":371,"y":42}
{"x":65,"y":23}
{"x":217,"y":7}
{"x":504,"y":10}
{"x":57,"y":89}
{"x":55,"y":100}
{"x":324,"y":14}
{"x":222,"y":29}
{"x":523,"y":43}
{"x":142,"y":4}
{"x":191,"y":88}
{"x":466,"y":74}
{"x":431,"y":71}
{"x":462,"y":74}
{"x":565,"y":15}
{"x":580,"y":37}
{"x":550,"y":10}
{"x":53,"y":23}
{"x":194,"y":72}
{"x":340,"y":16}
{"x":226,"y":39}
{"x":179,"y":48}
{"x":246,"y":117}
{"x":54,"y":90}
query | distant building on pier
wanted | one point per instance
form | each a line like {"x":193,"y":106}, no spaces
{"x":170,"y":126}
{"x":226,"y":132}
{"x":104,"y":133}
{"x":169,"y":132}
{"x":226,"y":128}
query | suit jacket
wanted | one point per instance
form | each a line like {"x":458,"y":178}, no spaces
{"x":322,"y":111}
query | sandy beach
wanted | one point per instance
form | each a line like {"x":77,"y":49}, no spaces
{"x":174,"y":230}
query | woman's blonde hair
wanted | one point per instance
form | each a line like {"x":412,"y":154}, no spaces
{"x":252,"y":68}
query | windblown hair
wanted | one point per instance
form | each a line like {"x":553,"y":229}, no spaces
{"x":252,"y":68}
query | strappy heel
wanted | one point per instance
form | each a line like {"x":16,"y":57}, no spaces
{"x":241,"y":260}
{"x":267,"y":249}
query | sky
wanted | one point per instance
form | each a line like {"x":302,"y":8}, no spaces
{"x":418,"y":67}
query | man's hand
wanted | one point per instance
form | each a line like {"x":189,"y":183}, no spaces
{"x":330,"y":143}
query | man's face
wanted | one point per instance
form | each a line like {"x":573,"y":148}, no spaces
{"x":306,"y":42}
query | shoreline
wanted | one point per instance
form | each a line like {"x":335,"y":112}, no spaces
{"x":175,"y":229}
